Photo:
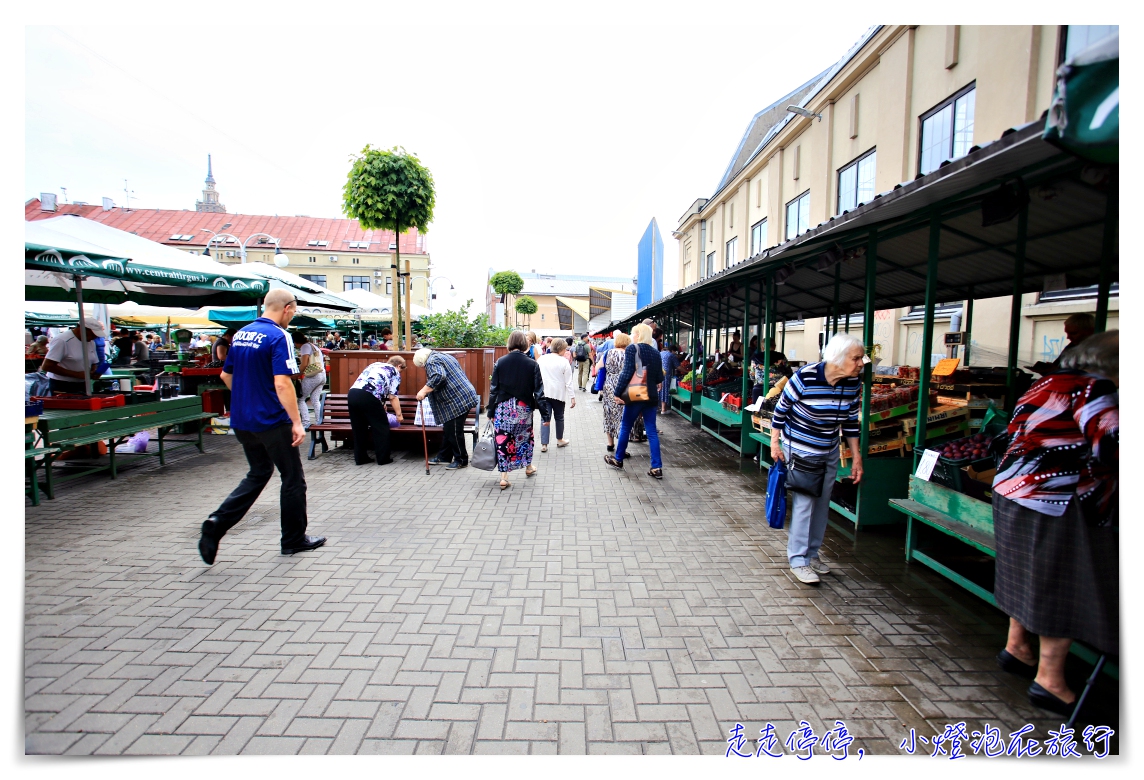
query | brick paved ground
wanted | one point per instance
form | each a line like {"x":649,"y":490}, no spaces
{"x":581,"y":611}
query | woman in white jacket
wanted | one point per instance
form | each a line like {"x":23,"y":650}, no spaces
{"x":558,"y":391}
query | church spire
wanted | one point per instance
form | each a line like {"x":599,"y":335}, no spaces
{"x":210,"y":203}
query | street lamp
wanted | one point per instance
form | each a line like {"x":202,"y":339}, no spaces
{"x":430,"y":282}
{"x":280,"y":259}
{"x":803,"y":112}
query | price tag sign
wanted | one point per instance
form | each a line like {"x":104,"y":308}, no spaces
{"x":926,"y":464}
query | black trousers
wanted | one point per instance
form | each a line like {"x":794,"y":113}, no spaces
{"x":549,"y":409}
{"x":454,"y":446}
{"x":64,"y":386}
{"x":368,"y":418}
{"x":266,"y":451}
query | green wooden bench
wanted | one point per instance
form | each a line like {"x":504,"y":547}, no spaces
{"x":31,"y":464}
{"x":66,"y":429}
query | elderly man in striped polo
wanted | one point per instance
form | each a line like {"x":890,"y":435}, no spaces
{"x":819,"y":400}
{"x":451,"y":397}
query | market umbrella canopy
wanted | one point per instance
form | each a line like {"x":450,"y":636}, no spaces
{"x":306,"y":292}
{"x":1085,"y":113}
{"x":239,"y":317}
{"x":119,"y":266}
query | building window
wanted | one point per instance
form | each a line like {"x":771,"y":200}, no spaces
{"x":389,"y":286}
{"x":318,"y":279}
{"x":313,"y":259}
{"x":856,"y":182}
{"x":731,"y":221}
{"x":947,"y":131}
{"x":1073,"y":294}
{"x":732,"y":250}
{"x":798,"y":216}
{"x":356,"y":261}
{"x":542,"y":318}
{"x":355,"y":283}
{"x":758,"y":236}
{"x":1079,"y":37}
{"x":710,"y":265}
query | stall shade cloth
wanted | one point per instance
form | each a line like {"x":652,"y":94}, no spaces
{"x":118,"y":266}
{"x":1084,"y":116}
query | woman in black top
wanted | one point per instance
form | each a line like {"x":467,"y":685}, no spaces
{"x":643,"y":345}
{"x":514,"y":393}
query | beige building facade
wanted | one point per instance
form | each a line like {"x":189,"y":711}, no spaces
{"x":903,"y":100}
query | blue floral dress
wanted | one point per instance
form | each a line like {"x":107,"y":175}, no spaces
{"x":514,"y":439}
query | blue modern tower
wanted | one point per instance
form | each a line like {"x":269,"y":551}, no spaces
{"x":649,"y":271}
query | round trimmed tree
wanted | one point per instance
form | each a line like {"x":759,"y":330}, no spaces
{"x":390,"y":190}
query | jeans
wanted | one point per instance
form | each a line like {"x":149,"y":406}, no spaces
{"x":368,"y":416}
{"x":311,"y":390}
{"x":632,"y":412}
{"x":266,"y":451}
{"x":549,"y":409}
{"x":454,"y":446}
{"x":583,"y":372}
{"x":808,"y":515}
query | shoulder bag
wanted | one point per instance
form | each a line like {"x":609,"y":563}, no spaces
{"x":805,"y":475}
{"x":485,"y":451}
{"x":636,"y":390}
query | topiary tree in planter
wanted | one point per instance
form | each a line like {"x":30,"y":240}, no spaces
{"x":504,"y":284}
{"x":526,"y":305}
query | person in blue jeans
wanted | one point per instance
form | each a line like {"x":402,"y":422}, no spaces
{"x":643,"y":345}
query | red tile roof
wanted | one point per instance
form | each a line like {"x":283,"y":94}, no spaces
{"x":295,"y":233}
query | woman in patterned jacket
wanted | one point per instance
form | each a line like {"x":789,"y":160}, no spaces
{"x":1056,"y":520}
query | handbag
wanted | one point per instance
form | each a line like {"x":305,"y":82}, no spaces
{"x":313,"y":368}
{"x":776,"y":495}
{"x":805,"y":475}
{"x":637,"y":388}
{"x":485,"y":451}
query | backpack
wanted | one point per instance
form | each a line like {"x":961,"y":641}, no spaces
{"x":581,"y":351}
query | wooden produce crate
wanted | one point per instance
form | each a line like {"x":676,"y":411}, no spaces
{"x":761,"y":423}
{"x":944,"y":428}
{"x":898,"y":445}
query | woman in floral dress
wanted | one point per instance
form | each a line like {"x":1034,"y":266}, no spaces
{"x":613,"y":365}
{"x":514,"y":392}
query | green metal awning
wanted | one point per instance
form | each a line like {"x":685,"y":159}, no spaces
{"x":1084,"y":117}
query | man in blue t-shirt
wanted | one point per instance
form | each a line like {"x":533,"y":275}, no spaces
{"x":259,"y":368}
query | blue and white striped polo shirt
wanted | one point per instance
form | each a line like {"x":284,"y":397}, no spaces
{"x":811,"y":411}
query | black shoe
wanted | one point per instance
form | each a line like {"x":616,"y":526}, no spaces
{"x":611,"y":448}
{"x":208,"y":542}
{"x":309,"y":543}
{"x":1013,"y":665}
{"x":385,"y":462}
{"x":435,"y":461}
{"x":455,"y":465}
{"x":1039,"y":697}
{"x":362,"y":462}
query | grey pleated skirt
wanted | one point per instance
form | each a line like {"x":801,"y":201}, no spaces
{"x":1058,"y":576}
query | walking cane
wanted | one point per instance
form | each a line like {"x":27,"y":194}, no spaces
{"x":424,"y":437}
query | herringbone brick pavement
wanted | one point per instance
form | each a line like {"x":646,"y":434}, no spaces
{"x":581,"y":611}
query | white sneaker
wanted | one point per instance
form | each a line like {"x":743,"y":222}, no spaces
{"x":805,"y":574}
{"x":818,"y":566}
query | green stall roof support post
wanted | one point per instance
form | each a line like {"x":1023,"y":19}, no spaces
{"x":868,"y":339}
{"x":968,"y":327}
{"x":1108,"y":254}
{"x":834,"y":309}
{"x":761,"y":328}
{"x":1015,"y":308}
{"x":747,"y":445}
{"x":927,"y":334}
{"x":770,"y":318}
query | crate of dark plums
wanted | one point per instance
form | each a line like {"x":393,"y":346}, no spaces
{"x":967,"y":466}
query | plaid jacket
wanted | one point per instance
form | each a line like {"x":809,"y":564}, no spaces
{"x":453,"y":394}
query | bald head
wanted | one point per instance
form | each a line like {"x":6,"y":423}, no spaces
{"x":280,"y":305}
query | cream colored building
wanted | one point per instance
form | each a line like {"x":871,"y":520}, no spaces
{"x":899,"y":103}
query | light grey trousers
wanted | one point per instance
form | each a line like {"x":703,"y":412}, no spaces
{"x":808,"y":515}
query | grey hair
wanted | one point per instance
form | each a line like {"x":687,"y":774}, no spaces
{"x":839,"y":347}
{"x":1097,"y":354}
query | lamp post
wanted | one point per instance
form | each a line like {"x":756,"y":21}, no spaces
{"x":429,"y":284}
{"x":221,"y":238}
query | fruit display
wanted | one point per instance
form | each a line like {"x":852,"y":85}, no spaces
{"x":883,"y":397}
{"x":972,"y":447}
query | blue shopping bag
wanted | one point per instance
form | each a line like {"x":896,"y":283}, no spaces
{"x":776,"y":495}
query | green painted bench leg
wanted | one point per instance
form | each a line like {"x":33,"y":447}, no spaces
{"x":909,"y":538}
{"x":33,"y":482}
{"x":111,"y":455}
{"x":162,"y":461}
{"x":49,"y":483}
{"x":200,"y":426}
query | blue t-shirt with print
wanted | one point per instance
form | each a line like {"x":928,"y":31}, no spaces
{"x":257,"y":354}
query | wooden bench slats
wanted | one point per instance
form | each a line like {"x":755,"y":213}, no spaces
{"x":334,"y":416}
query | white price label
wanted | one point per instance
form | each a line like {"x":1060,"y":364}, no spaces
{"x":926,"y":464}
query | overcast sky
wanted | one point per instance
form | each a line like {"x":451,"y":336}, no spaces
{"x":551,"y":147}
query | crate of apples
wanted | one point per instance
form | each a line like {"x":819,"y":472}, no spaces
{"x":972,"y":447}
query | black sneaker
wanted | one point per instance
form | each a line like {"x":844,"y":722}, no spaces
{"x":455,"y":465}
{"x":308,"y":543}
{"x":208,"y":542}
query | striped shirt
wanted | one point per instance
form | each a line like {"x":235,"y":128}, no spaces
{"x":811,"y":411}
{"x":453,"y":394}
